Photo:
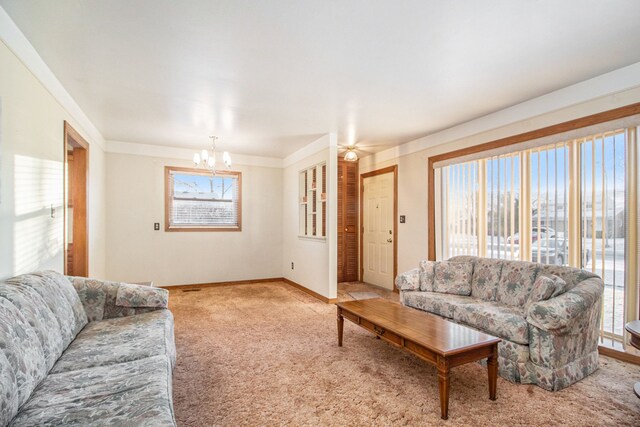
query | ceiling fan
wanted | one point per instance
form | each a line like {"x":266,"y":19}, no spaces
{"x":351,"y":152}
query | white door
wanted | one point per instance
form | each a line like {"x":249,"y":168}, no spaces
{"x":379,"y":233}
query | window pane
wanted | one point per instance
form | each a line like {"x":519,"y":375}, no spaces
{"x":460,"y":204}
{"x":503,"y":207}
{"x":603,"y":221}
{"x":486,"y":203}
{"x":203,"y":200}
{"x":549,"y":213}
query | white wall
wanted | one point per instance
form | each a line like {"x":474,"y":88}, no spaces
{"x":31,"y":156}
{"x":412,"y":166}
{"x":315,"y":260}
{"x":135,"y":196}
{"x":97,"y":212}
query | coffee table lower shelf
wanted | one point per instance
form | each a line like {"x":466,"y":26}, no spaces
{"x":429,"y":352}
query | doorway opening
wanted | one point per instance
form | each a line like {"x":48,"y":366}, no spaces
{"x":378,"y":232}
{"x":76,"y":179}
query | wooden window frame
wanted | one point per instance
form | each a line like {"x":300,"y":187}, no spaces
{"x":574,"y":168}
{"x":168,"y":195}
{"x":570,"y":125}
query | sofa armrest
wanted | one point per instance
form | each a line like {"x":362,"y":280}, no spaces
{"x":135,"y":296}
{"x":103,"y":299}
{"x":568,"y":312}
{"x":409,"y":280}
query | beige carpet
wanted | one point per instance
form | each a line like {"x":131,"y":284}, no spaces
{"x":267,"y":354}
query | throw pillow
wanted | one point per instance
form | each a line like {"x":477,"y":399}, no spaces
{"x":544,"y":288}
{"x":486,"y":276}
{"x":453,"y":278}
{"x":427,"y":274}
{"x":136,"y":296}
{"x":516,"y":282}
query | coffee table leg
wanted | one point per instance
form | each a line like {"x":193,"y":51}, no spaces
{"x":492,"y":368}
{"x":340,"y":326}
{"x":443,"y":380}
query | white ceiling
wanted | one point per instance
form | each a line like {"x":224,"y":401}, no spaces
{"x":269,"y":77}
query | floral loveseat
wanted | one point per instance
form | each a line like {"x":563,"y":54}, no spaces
{"x":547,"y":315}
{"x":77,"y":351}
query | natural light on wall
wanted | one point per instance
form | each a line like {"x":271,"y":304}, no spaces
{"x":516,"y":204}
{"x":37,"y":236}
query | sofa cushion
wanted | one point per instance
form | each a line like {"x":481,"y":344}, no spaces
{"x":62,"y":283}
{"x":453,"y":277}
{"x":93,"y":295}
{"x":61,"y":298}
{"x":516,"y":282}
{"x":20,"y":345}
{"x":441,"y":304}
{"x":136,"y":393}
{"x":545,"y":287}
{"x":486,"y":276}
{"x":118,"y":340}
{"x":427,"y":275}
{"x":39,"y":316}
{"x":8,"y":391}
{"x":496,"y":319}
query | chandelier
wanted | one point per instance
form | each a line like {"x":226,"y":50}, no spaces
{"x":207,"y":158}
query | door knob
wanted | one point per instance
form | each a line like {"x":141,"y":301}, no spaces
{"x":389,"y":240}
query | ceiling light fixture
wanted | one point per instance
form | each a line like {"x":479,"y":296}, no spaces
{"x":207,"y":158}
{"x":351,"y":155}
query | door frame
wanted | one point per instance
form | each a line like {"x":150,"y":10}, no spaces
{"x":389,"y":169}
{"x":73,"y":137}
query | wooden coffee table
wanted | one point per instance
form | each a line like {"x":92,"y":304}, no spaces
{"x":435,"y":340}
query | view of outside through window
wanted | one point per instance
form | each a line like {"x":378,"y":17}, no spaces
{"x":603,"y":220}
{"x":482,"y":211}
{"x":206,"y":200}
{"x":503,"y":207}
{"x":549,"y":213}
{"x":460,"y":184}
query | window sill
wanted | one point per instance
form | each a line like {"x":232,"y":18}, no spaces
{"x":316,"y":238}
{"x":203,"y":229}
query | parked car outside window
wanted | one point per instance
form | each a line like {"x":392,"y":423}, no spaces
{"x":549,"y":246}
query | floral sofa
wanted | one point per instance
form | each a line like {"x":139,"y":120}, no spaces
{"x":77,"y":351}
{"x":547,"y":315}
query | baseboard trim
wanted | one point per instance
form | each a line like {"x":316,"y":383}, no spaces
{"x":218,"y":284}
{"x":620,"y":355}
{"x":250,"y":282}
{"x":310,"y":292}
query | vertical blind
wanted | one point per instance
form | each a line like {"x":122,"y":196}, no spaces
{"x":517,"y":206}
{"x":460,"y":183}
{"x":603,"y":211}
{"x":503,"y":187}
